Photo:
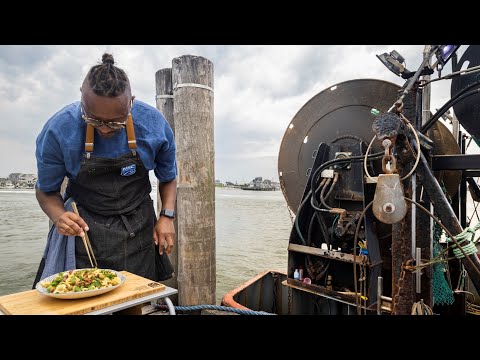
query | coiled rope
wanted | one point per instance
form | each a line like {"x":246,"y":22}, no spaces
{"x":465,"y":237}
{"x":214,"y":307}
{"x":420,"y":308}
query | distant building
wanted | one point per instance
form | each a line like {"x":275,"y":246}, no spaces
{"x":19,"y":181}
{"x":259,"y":184}
{"x":19,"y":177}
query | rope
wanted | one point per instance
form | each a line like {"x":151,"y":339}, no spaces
{"x":448,"y":233}
{"x":472,"y":308}
{"x":215,"y":307}
{"x":420,"y":308}
{"x":465,"y":237}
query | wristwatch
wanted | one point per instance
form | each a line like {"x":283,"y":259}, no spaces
{"x":168,"y":213}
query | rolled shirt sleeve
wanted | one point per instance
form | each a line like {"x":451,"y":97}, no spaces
{"x":165,"y":159}
{"x":50,"y":163}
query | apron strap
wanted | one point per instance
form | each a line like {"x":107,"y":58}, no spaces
{"x":132,"y":143}
{"x":127,"y":226}
{"x":89,"y":140}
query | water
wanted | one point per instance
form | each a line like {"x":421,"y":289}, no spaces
{"x":23,"y":234}
{"x":252,"y":230}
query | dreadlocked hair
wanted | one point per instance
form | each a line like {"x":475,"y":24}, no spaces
{"x":106,"y":79}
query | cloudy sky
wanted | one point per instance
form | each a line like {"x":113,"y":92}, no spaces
{"x":258,"y":90}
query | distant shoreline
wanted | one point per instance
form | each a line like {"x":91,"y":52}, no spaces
{"x":17,"y":189}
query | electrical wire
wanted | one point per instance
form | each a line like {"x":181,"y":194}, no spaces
{"x":460,"y":96}
{"x":355,"y":255}
{"x":319,"y":169}
{"x":365,"y":160}
{"x":313,"y":201}
{"x":335,"y":179}
{"x":449,"y":76}
{"x":322,"y":192}
{"x":417,"y":160}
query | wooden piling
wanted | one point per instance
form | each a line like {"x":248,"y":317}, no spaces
{"x":164,"y":102}
{"x":192,"y":78}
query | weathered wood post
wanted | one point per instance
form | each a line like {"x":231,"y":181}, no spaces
{"x":192,"y":78}
{"x":164,"y":102}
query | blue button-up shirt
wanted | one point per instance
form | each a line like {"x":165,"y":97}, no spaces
{"x":61,"y":143}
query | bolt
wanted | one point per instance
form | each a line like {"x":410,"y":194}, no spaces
{"x":386,"y":143}
{"x":388,"y":208}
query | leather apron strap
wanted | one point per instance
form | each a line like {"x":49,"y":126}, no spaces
{"x":89,"y":140}
{"x":132,"y":142}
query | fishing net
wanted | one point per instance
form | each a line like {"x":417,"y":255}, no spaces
{"x":442,"y":293}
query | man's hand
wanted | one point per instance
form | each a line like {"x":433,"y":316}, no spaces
{"x":66,"y":222}
{"x":71,"y":224}
{"x":164,"y":234}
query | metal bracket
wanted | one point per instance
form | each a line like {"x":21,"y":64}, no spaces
{"x":418,"y":272}
{"x":163,"y":97}
{"x":206,"y":87}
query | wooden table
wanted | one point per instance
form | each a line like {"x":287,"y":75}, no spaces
{"x":134,"y":291}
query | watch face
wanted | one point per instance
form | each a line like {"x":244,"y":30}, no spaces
{"x":168,"y":213}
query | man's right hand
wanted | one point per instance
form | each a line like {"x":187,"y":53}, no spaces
{"x":66,"y":222}
{"x":71,"y":224}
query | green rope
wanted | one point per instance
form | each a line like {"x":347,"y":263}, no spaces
{"x":465,"y":239}
{"x":442,"y":292}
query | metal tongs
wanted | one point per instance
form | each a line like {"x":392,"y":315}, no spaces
{"x":86,"y":240}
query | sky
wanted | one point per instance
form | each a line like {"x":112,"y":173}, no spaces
{"x":258,"y":89}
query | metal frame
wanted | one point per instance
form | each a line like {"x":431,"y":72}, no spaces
{"x":456,"y":162}
{"x":127,"y":304}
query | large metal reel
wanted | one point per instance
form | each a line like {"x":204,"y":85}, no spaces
{"x":445,"y":144}
{"x":343,"y":109}
{"x":468,"y":109}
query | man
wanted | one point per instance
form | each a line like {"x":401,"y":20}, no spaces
{"x":106,"y":144}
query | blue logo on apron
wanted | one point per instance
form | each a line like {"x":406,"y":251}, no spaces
{"x":128,"y":170}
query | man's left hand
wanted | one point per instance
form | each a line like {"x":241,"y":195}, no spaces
{"x":164,"y":234}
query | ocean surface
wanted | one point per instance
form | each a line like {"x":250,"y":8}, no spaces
{"x":252,"y":231}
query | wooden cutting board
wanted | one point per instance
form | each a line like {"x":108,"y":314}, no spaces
{"x":33,"y":303}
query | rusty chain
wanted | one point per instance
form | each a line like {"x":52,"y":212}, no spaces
{"x":404,"y":255}
{"x":396,"y":298}
{"x":388,"y":158}
{"x":405,"y":265}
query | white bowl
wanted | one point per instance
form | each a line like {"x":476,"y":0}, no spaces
{"x":79,"y":294}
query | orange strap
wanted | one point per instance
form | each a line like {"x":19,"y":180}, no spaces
{"x":89,"y":139}
{"x":132,"y":143}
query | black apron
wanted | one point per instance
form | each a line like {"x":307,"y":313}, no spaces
{"x":113,"y":197}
